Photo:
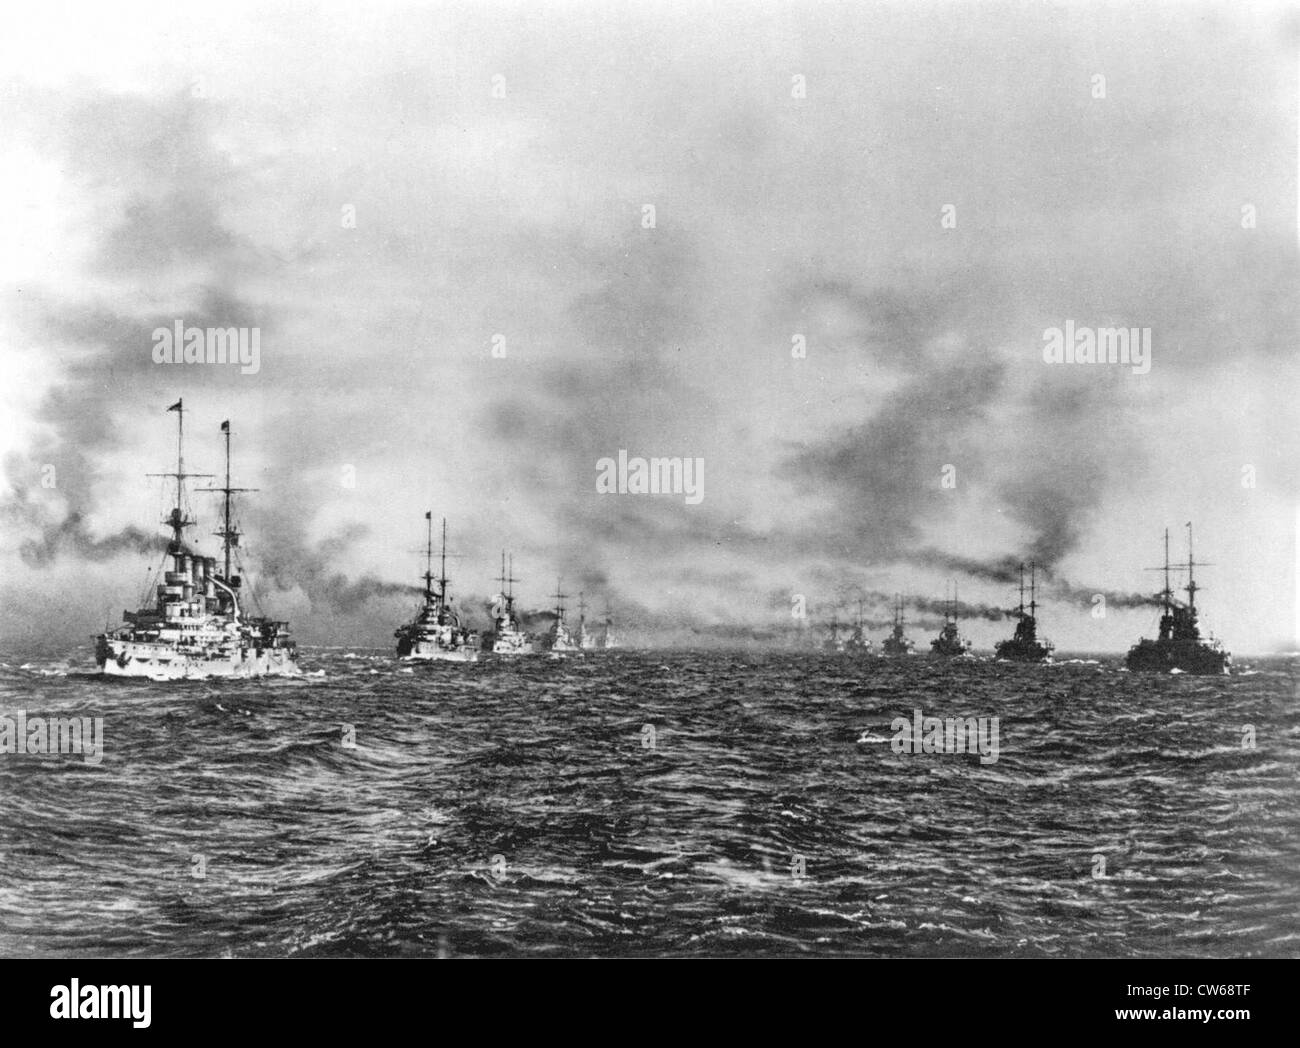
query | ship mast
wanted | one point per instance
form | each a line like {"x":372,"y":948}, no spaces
{"x":582,"y":607}
{"x":507,"y":581}
{"x":228,"y":534}
{"x":1167,"y":594}
{"x":428,"y":557}
{"x":1021,"y":609}
{"x":1191,"y":582}
{"x":1033,"y":604}
{"x":176,"y":520}
{"x":442,"y":578}
{"x":225,"y":514}
{"x":559,"y":601}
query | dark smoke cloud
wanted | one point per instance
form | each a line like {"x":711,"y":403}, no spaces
{"x":176,"y":181}
{"x":75,"y":421}
{"x":287,"y":564}
{"x":1048,"y":471}
{"x":964,"y":609}
{"x":71,"y":537}
{"x":1069,"y":592}
{"x":1006,"y":571}
{"x":884,"y":475}
{"x":288,"y":560}
{"x":160,"y":153}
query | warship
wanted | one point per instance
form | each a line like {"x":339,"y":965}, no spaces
{"x":896,"y":643}
{"x":505,"y":637}
{"x":1025,"y":646}
{"x":608,"y":639}
{"x":950,"y":644}
{"x":1179,"y":645}
{"x":858,"y":643}
{"x":436,"y":633}
{"x":558,"y":639}
{"x":197,"y":627}
{"x":586,"y":639}
{"x":835,"y":642}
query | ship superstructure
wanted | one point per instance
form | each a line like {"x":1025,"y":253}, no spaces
{"x":586,"y":638}
{"x":950,"y":644}
{"x":558,"y":639}
{"x":436,"y":633}
{"x":197,"y":627}
{"x":897,"y":643}
{"x":1024,"y":645}
{"x":608,"y":639}
{"x":505,"y":637}
{"x":835,"y":640}
{"x":858,"y":643}
{"x":1179,"y":645}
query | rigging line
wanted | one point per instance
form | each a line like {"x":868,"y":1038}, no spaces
{"x":252,"y":586}
{"x":238,"y":552}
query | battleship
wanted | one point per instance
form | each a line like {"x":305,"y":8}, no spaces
{"x":197,"y":627}
{"x":835,"y":642}
{"x":558,"y":639}
{"x":436,"y":633}
{"x":608,"y":639}
{"x":1025,"y":646}
{"x":897,"y":643}
{"x":858,"y":643}
{"x":587,"y":639}
{"x":950,"y":644}
{"x":505,"y":637}
{"x":1179,"y":646}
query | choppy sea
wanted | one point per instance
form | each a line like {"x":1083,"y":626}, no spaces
{"x":654,"y":803}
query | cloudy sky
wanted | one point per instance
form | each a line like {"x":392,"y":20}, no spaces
{"x":387,"y":192}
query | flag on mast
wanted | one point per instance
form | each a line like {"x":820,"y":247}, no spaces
{"x":225,"y":426}
{"x":429,"y":515}
{"x":176,"y":406}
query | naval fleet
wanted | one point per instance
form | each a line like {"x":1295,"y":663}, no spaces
{"x":200,"y":617}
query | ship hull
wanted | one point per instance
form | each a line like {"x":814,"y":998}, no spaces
{"x":560,"y":642}
{"x":509,"y":644}
{"x":1032,"y":653}
{"x":1154,"y":657}
{"x":441,"y":655}
{"x":163,"y":663}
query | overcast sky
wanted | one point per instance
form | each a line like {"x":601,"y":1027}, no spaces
{"x":1105,"y":165}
